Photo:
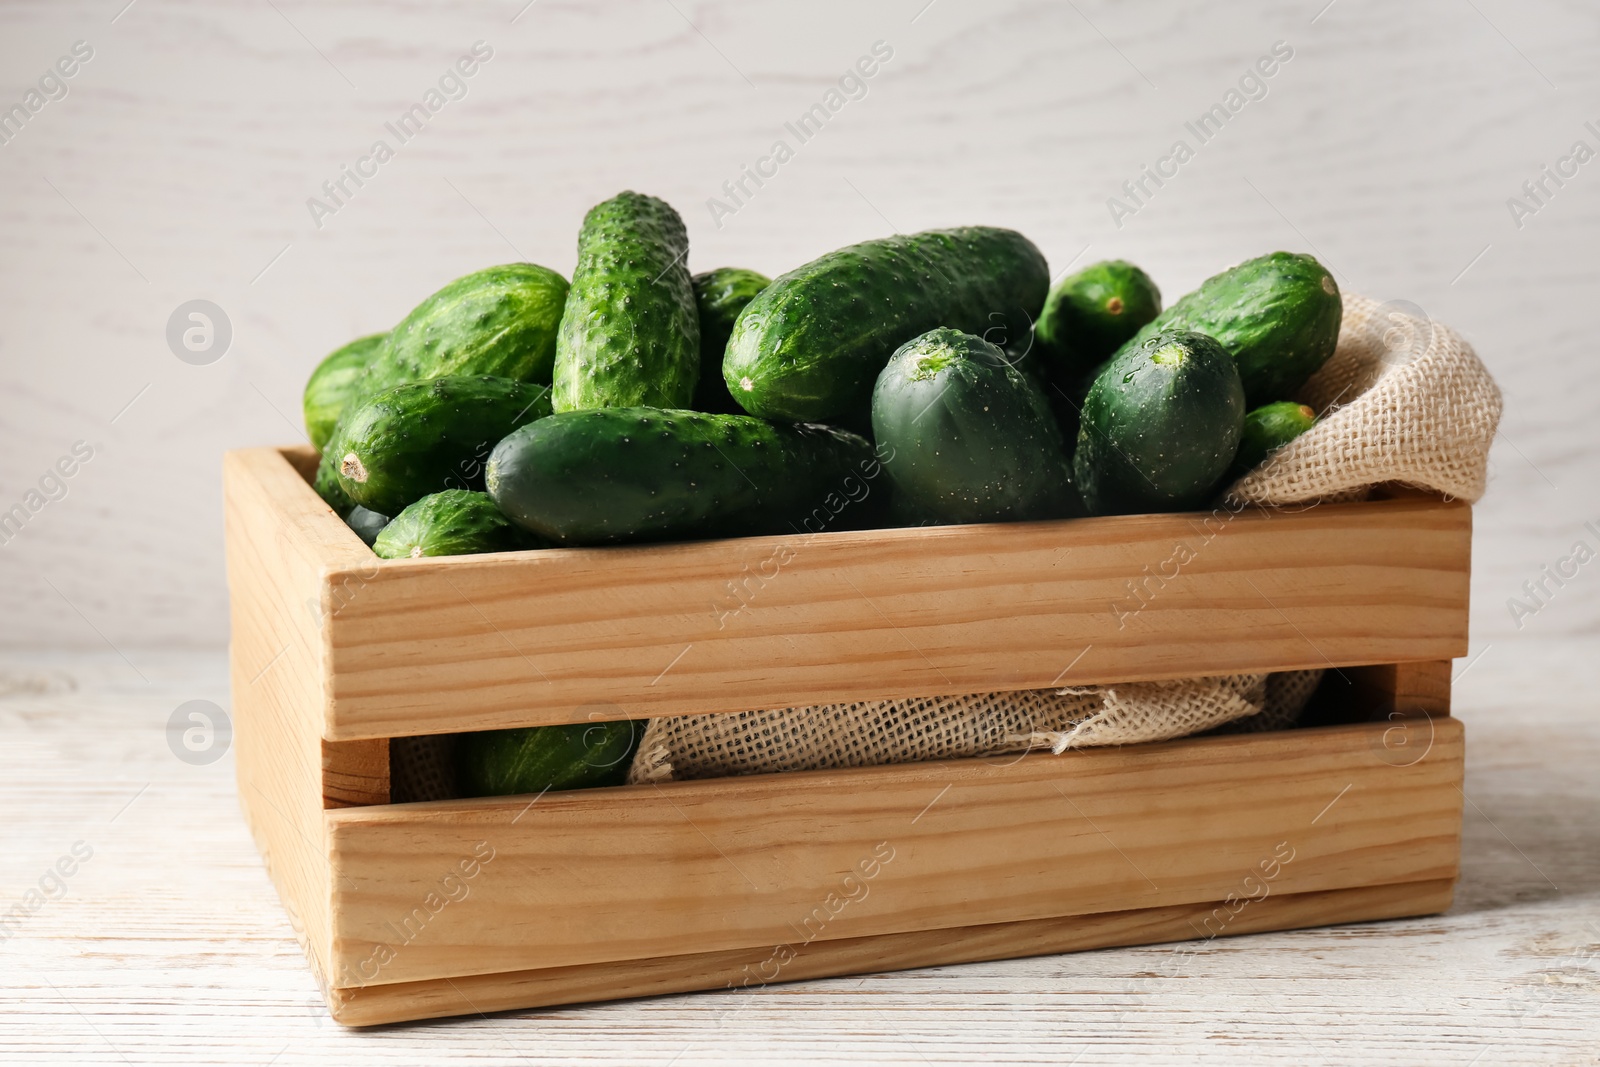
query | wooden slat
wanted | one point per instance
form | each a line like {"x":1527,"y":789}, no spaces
{"x":1405,"y":690}
{"x":355,"y":773}
{"x":602,"y":875}
{"x":277,"y":546}
{"x":742,"y":969}
{"x":567,"y":635}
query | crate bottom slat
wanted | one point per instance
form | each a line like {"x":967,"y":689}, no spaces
{"x":749,"y":968}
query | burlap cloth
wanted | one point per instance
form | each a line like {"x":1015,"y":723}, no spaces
{"x":1403,"y":400}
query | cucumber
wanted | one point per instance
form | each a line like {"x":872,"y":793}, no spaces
{"x":1160,"y":426}
{"x":326,"y":483}
{"x":1277,"y":314}
{"x":636,"y":474}
{"x":536,"y":758}
{"x":336,"y":381}
{"x":423,"y":437}
{"x":454,"y":522}
{"x":811,"y":345}
{"x":1267,"y":429}
{"x":719,"y":296}
{"x":501,"y":321}
{"x":971,"y":438}
{"x":1090,"y":314}
{"x":367,"y":524}
{"x":629,"y":335}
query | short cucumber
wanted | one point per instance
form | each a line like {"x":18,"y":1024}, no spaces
{"x":1088,"y":316}
{"x":539,"y":758}
{"x":719,"y":296}
{"x":326,"y":483}
{"x":811,"y":345}
{"x":1160,"y":425}
{"x":637,"y":474}
{"x":423,"y":437}
{"x":629,"y":334}
{"x":1277,"y":314}
{"x":969,"y":437}
{"x":337,"y":380}
{"x":1267,"y":429}
{"x":454,"y":522}
{"x":501,"y":321}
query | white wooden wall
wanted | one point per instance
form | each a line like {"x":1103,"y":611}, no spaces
{"x":180,"y":161}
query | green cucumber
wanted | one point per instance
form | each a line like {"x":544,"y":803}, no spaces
{"x":970,"y":438}
{"x":399,"y":445}
{"x":367,"y":524}
{"x":811,"y":345}
{"x":1267,"y":429}
{"x":719,"y":296}
{"x":637,"y":474}
{"x":629,"y":335}
{"x":534,"y":759}
{"x":326,"y":483}
{"x":1277,"y":314}
{"x":501,"y":321}
{"x":455,"y":522}
{"x":1090,"y":314}
{"x":1160,"y":427}
{"x":338,"y":379}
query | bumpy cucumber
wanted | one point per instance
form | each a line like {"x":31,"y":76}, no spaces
{"x":501,"y":321}
{"x":719,"y":296}
{"x":536,"y":758}
{"x":636,"y":474}
{"x":629,"y":335}
{"x":326,"y":482}
{"x":1090,"y":314}
{"x":1267,"y":429}
{"x":337,"y":380}
{"x":424,"y":437}
{"x":811,"y":345}
{"x":455,"y":522}
{"x":970,"y":438}
{"x":1277,"y":314}
{"x":1160,"y":425}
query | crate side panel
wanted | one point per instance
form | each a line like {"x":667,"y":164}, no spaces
{"x":502,"y":884}
{"x":758,"y":967}
{"x":275,"y":657}
{"x":433,"y":646}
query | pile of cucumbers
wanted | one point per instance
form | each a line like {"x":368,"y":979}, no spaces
{"x":931,"y":378}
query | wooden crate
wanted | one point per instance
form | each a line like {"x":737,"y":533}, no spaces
{"x":410,"y":911}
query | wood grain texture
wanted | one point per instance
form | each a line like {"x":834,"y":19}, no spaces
{"x":740,"y":971}
{"x":766,"y":860}
{"x":275,"y":574}
{"x":355,"y":773}
{"x":171,"y":946}
{"x":1405,"y":690}
{"x":563,"y":635}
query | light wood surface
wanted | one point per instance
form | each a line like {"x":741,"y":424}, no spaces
{"x":564,"y":635}
{"x":767,"y":860}
{"x":170,"y":945}
{"x":403,"y":894}
{"x":286,"y":778}
{"x":740,"y":971}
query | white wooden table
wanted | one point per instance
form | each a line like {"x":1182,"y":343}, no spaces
{"x":169,"y":945}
